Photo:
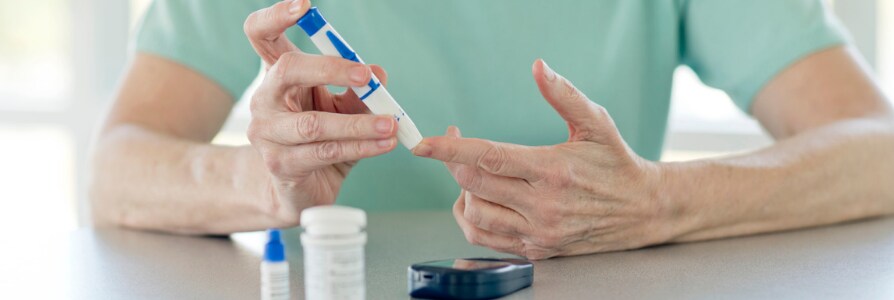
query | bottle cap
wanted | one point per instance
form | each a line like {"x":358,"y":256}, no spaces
{"x":274,"y":251}
{"x":333,"y":220}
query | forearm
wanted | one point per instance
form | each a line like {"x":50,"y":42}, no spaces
{"x":831,"y":174}
{"x":147,"y":180}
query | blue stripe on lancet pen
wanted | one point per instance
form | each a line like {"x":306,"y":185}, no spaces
{"x":329,"y":42}
{"x":312,"y":22}
{"x":349,"y":54}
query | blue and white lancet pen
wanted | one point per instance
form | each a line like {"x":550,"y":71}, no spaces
{"x":373,"y":95}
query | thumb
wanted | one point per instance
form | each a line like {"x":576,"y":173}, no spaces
{"x":266,"y":29}
{"x":587,"y":121}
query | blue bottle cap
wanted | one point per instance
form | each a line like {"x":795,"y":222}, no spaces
{"x":274,"y":251}
{"x":312,"y":21}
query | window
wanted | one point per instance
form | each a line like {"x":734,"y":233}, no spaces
{"x":58,"y":65}
{"x":705,"y":123}
{"x":885,"y":38}
{"x":35,"y":66}
{"x":37,"y":166}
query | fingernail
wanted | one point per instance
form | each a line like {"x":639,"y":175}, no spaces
{"x":548,"y":72}
{"x":386,"y":143}
{"x":384,"y":125}
{"x":296,"y":6}
{"x":423,"y":150}
{"x":358,"y":74}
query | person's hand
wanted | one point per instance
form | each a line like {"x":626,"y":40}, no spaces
{"x":308,"y":137}
{"x":590,"y":194}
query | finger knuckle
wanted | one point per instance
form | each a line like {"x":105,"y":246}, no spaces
{"x":517,"y":247}
{"x":472,"y":213}
{"x":328,"y":151}
{"x":570,"y":91}
{"x":287,"y":61}
{"x":255,"y":105}
{"x":560,"y":177}
{"x":273,"y":160}
{"x":458,"y":205}
{"x":494,"y":159}
{"x":254,"y":131}
{"x":468,"y":178}
{"x":268,"y":15}
{"x":361,"y":148}
{"x":355,"y":126}
{"x":473,"y":237}
{"x":549,"y":215}
{"x":547,"y":238}
{"x":498,"y":225}
{"x":535,"y":253}
{"x":599,"y":110}
{"x":249,"y":27}
{"x":327,"y":67}
{"x":265,"y":95}
{"x":308,"y":126}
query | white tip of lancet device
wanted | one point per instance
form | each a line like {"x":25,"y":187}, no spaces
{"x":408,"y":134}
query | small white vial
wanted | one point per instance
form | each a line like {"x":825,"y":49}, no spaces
{"x":274,"y":269}
{"x":333,"y":242}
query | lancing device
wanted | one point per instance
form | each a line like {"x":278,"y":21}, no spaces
{"x":373,"y":95}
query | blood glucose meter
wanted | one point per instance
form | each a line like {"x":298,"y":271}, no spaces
{"x":470,"y":278}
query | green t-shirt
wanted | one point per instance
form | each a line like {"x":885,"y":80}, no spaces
{"x":467,"y":63}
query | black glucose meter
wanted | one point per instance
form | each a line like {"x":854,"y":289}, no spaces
{"x":469,"y":278}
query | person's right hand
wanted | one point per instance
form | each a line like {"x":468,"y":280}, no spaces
{"x":308,"y":137}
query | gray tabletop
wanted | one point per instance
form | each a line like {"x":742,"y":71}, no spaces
{"x":853,"y":261}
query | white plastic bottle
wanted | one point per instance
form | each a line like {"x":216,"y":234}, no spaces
{"x":333,"y":242}
{"x":274,"y":269}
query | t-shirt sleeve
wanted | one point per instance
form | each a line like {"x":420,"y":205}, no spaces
{"x":740,"y":45}
{"x":204,"y":35}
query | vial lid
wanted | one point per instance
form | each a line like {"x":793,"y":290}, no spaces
{"x":274,"y":250}
{"x":333,"y":220}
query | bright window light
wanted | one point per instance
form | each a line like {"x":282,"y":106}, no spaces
{"x":35,"y":68}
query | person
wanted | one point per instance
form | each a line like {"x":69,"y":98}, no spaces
{"x":575,"y":174}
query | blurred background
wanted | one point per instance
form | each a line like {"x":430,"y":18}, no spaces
{"x":60,"y":61}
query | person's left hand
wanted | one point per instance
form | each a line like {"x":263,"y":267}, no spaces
{"x":590,"y":194}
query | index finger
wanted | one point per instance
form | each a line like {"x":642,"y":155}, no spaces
{"x":493,"y":157}
{"x":266,"y":28}
{"x":316,"y":126}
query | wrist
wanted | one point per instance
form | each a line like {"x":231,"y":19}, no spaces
{"x":257,"y":184}
{"x":675,"y":192}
